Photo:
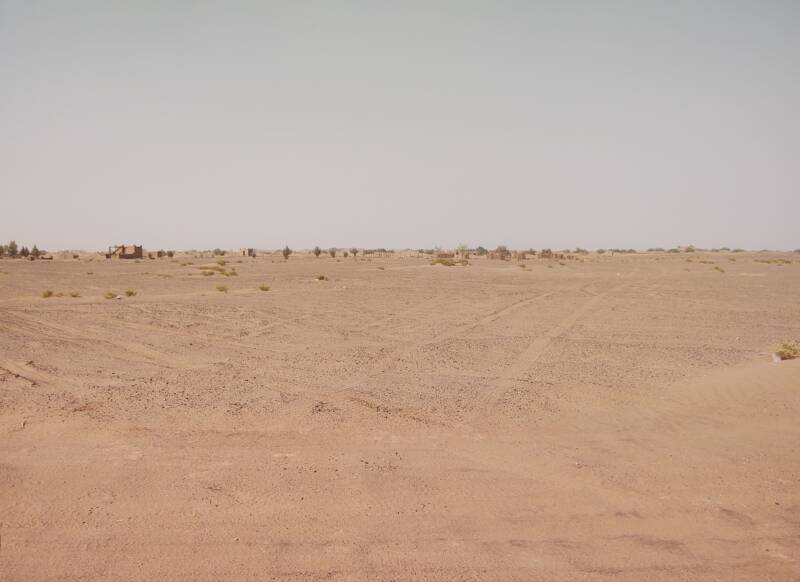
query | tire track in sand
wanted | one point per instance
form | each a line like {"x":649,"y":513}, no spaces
{"x":527,"y":359}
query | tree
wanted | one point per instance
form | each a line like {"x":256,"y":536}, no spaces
{"x":317,"y":251}
{"x":332,"y":252}
{"x":480,"y":251}
{"x":354,"y":252}
{"x":170,"y":254}
{"x":24,"y":252}
{"x":35,"y":252}
{"x":12,"y":248}
{"x":462,"y":250}
{"x":286,"y":252}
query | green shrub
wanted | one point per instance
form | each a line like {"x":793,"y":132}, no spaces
{"x":788,"y":350}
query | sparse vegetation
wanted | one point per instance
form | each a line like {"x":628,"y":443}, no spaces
{"x":74,"y":294}
{"x":445,"y":262}
{"x":47,"y":294}
{"x":222,"y":288}
{"x":110,"y":295}
{"x":321,"y":278}
{"x":718,"y":268}
{"x":130,"y":293}
{"x":219,"y":253}
{"x":263,"y":287}
{"x":788,"y":350}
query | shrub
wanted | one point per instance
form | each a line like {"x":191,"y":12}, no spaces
{"x":321,"y":278}
{"x":445,"y":262}
{"x":47,"y":294}
{"x":35,"y":252}
{"x":601,"y":251}
{"x":481,"y":251}
{"x":718,"y":268}
{"x":286,"y":252}
{"x":317,"y":251}
{"x":24,"y":252}
{"x":222,"y":288}
{"x":11,"y":249}
{"x":222,"y":263}
{"x":110,"y":295}
{"x":332,"y":252}
{"x":345,"y":254}
{"x":170,"y":254}
{"x":219,"y":253}
{"x":74,"y":294}
{"x":354,"y":252}
{"x":502,"y":252}
{"x":263,"y":287}
{"x":130,"y":293}
{"x":788,"y":350}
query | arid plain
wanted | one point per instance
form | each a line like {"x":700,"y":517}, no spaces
{"x":611,"y":418}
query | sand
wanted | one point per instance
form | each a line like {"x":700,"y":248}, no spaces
{"x":616,"y":418}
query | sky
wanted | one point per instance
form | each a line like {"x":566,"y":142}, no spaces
{"x":193,"y":124}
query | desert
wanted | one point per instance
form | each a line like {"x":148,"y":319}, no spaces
{"x":385,"y":417}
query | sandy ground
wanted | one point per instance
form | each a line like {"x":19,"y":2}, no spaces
{"x":612,"y":419}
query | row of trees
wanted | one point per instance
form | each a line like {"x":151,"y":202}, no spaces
{"x":331,"y":251}
{"x":13,"y":250}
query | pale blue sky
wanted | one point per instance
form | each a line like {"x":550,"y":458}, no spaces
{"x":400,"y":124}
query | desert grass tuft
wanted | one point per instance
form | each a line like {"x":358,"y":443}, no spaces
{"x":222,"y":288}
{"x":263,"y":287}
{"x":110,"y":295}
{"x":130,"y":292}
{"x":47,"y":294}
{"x":445,"y":262}
{"x":788,"y":350}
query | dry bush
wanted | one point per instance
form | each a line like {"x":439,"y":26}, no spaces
{"x":445,"y":262}
{"x":321,"y":278}
{"x":110,"y":295}
{"x":47,"y":294}
{"x":222,"y":288}
{"x":788,"y":350}
{"x":74,"y":294}
{"x":130,"y":293}
{"x":263,"y":287}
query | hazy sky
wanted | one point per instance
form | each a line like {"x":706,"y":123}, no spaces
{"x":400,"y":124}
